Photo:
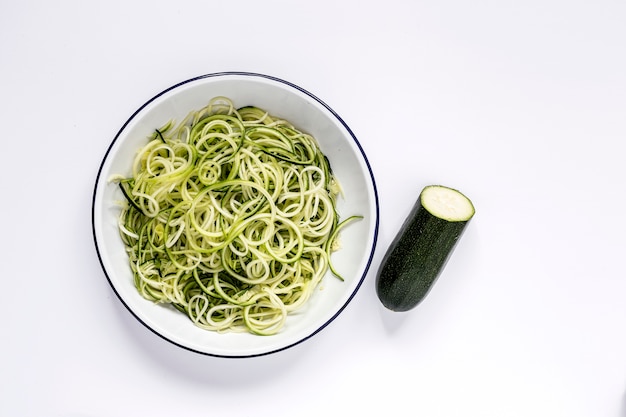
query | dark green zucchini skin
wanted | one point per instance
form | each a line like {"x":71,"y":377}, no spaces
{"x":416,"y":258}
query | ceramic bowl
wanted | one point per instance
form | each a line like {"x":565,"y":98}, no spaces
{"x":306,"y":112}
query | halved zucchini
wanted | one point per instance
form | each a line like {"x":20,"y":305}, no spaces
{"x":422,"y":247}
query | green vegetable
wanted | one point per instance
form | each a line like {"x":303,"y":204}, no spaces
{"x":230,"y":217}
{"x":420,"y":251}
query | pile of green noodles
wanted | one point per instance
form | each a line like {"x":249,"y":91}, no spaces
{"x":230,"y":217}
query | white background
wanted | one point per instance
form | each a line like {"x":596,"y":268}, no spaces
{"x":519,"y":104}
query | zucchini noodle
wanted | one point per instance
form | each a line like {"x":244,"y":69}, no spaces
{"x":231,"y":218}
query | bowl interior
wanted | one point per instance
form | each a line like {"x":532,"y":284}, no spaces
{"x":307,"y":113}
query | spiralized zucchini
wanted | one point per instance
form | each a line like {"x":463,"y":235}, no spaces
{"x":231,"y":218}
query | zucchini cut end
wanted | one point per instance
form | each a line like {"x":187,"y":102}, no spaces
{"x":447,"y":203}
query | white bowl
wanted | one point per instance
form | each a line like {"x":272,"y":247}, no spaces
{"x":306,"y":112}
